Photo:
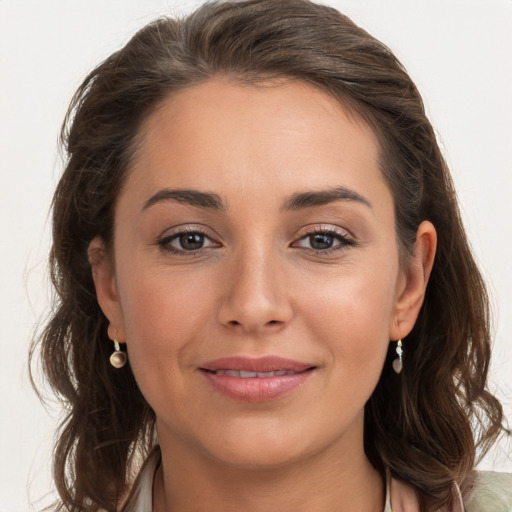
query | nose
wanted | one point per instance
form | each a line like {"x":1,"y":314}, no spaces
{"x":256,"y":297}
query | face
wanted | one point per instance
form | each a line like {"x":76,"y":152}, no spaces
{"x":255,"y":276}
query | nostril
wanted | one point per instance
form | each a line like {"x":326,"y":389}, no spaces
{"x":236,"y":322}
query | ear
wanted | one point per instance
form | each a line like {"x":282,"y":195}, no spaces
{"x":103,"y":275}
{"x":413,"y":282}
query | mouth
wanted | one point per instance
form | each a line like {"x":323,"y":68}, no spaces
{"x":244,"y":374}
{"x":256,"y":380}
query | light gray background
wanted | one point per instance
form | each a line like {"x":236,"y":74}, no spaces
{"x":458,"y":52}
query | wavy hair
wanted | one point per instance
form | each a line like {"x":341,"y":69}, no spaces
{"x":428,"y":425}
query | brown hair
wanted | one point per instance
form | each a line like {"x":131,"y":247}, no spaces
{"x":427,"y":425}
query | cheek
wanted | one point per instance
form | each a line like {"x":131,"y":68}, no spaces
{"x":352,"y":326}
{"x":351,"y":316}
{"x":163,"y":312}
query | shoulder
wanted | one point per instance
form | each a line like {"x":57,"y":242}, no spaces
{"x":492,"y":492}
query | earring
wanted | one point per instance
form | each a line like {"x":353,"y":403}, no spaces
{"x":118,"y":357}
{"x":397,"y":363}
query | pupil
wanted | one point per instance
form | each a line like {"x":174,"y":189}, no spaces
{"x":321,"y":241}
{"x":191,"y":241}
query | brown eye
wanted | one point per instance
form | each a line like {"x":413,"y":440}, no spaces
{"x":321,"y":241}
{"x":191,"y":241}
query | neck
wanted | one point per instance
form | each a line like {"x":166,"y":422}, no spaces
{"x":342,"y":475}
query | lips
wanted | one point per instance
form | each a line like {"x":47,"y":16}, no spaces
{"x":259,"y":365}
{"x":243,"y":374}
{"x":256,"y":379}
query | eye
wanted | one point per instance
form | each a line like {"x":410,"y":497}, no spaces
{"x":189,"y":241}
{"x":321,"y":241}
{"x":324,"y":241}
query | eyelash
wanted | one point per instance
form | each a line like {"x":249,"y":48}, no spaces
{"x":344,"y":241}
{"x":165,"y":242}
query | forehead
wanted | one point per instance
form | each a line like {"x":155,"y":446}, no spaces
{"x":224,"y":135}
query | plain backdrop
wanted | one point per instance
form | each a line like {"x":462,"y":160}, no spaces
{"x":459,"y":52}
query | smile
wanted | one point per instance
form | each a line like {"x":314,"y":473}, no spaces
{"x":256,"y":380}
{"x":243,"y":374}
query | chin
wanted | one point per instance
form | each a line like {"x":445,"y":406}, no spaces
{"x":263,"y":448}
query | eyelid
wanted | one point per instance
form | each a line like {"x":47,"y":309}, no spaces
{"x":186,"y":228}
{"x":345,"y":238}
{"x":171,"y":234}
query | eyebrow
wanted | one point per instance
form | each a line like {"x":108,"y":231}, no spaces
{"x":191,"y":197}
{"x":298,"y":201}
{"x":304,"y":200}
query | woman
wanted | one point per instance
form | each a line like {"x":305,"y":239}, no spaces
{"x":265,"y":289}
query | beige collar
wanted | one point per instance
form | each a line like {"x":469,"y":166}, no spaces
{"x":401,"y":497}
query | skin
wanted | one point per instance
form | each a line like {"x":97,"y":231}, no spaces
{"x":258,"y":287}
